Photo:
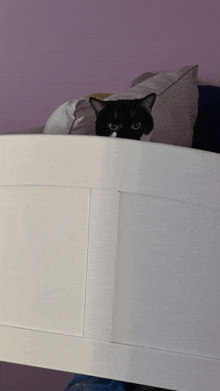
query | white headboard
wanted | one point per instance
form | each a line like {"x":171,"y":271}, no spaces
{"x":110,"y":259}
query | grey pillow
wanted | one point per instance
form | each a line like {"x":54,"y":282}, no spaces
{"x":142,"y":77}
{"x":176,"y":106}
{"x":174,"y":111}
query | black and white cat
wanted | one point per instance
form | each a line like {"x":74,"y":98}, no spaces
{"x":124,"y":118}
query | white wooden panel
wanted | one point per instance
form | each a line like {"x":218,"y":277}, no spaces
{"x":110,"y":360}
{"x":102,"y":256}
{"x":44,"y":239}
{"x":145,"y":308}
{"x":167,"y":276}
{"x":117,"y":164}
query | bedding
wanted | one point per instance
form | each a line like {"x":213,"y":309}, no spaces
{"x":206,"y":136}
{"x":174,"y":112}
{"x":176,"y":106}
{"x":206,"y":130}
{"x":92,"y":383}
{"x":207,"y":127}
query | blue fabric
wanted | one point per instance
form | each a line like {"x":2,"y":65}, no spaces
{"x":207,"y":126}
{"x":92,"y":383}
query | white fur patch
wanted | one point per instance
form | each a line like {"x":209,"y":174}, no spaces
{"x":114,"y":134}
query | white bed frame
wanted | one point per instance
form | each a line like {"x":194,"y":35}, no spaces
{"x":110,"y":259}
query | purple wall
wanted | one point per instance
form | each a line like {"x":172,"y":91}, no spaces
{"x":56,"y":50}
{"x":52,"y":51}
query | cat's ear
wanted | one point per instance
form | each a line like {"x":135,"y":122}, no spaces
{"x":97,"y":105}
{"x":147,"y":102}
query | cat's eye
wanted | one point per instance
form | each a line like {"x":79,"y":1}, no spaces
{"x":136,"y":125}
{"x":113,"y":126}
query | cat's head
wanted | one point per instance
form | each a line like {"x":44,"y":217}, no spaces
{"x":124,"y":118}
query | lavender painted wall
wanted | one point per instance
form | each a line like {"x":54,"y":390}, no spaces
{"x":56,"y":50}
{"x":52,"y":51}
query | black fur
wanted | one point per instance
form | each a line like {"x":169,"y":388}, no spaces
{"x":124,"y":118}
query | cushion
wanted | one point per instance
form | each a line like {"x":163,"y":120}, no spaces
{"x":100,"y":96}
{"x":176,"y":106}
{"x":67,"y":120}
{"x":61,"y":120}
{"x":147,"y":75}
{"x":206,"y":132}
{"x":143,"y":77}
{"x":207,"y":126}
{"x":174,"y":111}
